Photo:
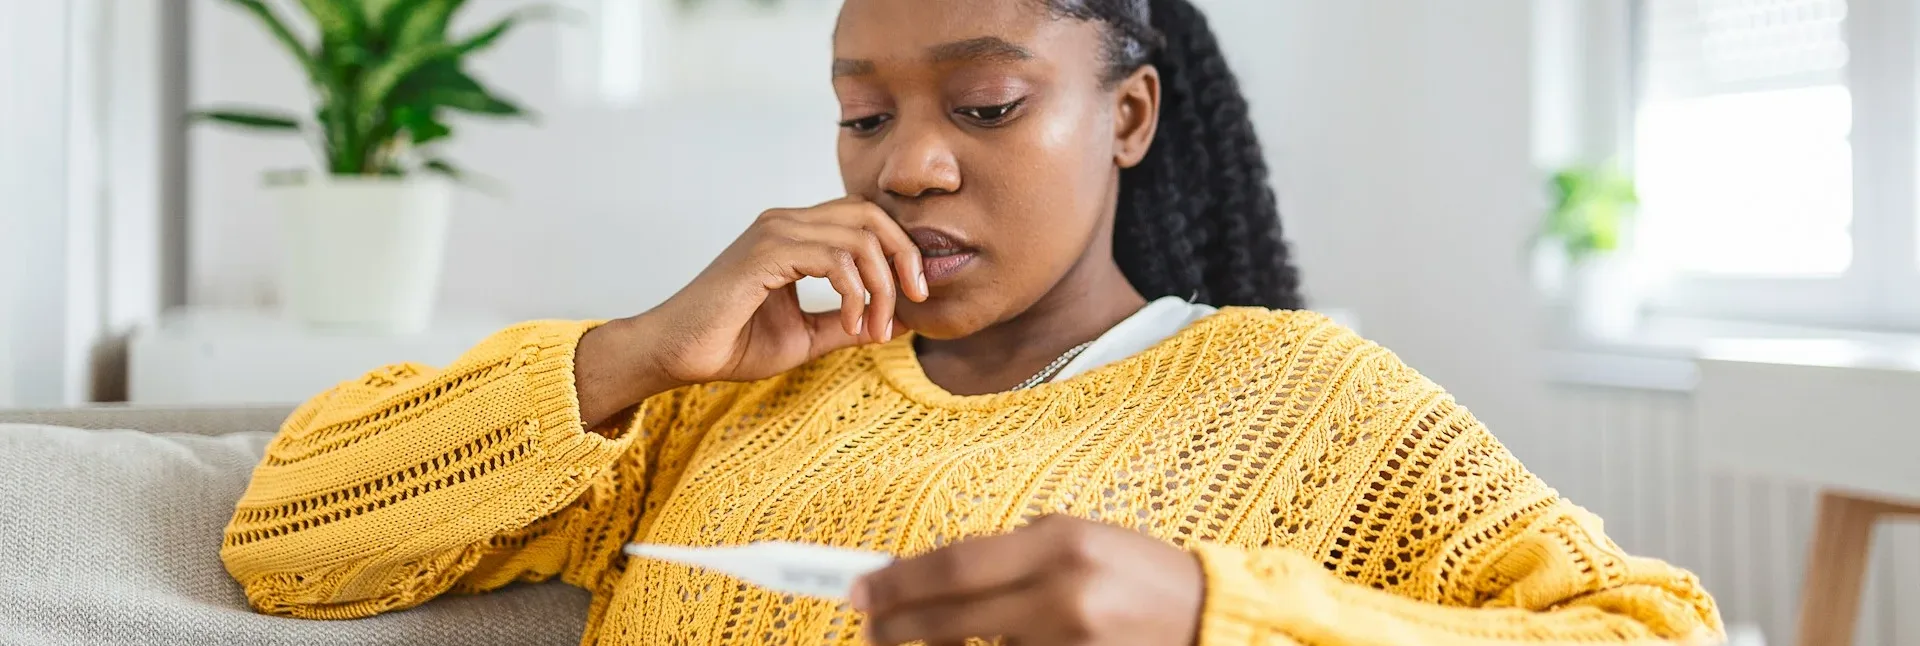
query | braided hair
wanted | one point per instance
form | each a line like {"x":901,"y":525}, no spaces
{"x":1196,"y":217}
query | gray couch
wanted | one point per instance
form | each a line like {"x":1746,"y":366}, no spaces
{"x":111,"y":535}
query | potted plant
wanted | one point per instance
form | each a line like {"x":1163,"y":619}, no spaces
{"x":1585,"y":235}
{"x":363,"y":239}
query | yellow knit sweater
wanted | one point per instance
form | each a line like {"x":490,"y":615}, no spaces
{"x":1333,"y":495}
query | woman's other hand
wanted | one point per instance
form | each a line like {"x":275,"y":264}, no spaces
{"x":740,"y":319}
{"x":1059,"y":580}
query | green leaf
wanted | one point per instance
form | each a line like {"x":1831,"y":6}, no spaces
{"x":287,"y":40}
{"x":486,"y":37}
{"x":429,"y":131}
{"x":344,"y":61}
{"x":380,"y":83}
{"x":339,"y":20}
{"x":346,"y":135}
{"x":446,"y":168}
{"x":448,"y":74}
{"x":378,"y":86}
{"x":1591,"y":208}
{"x":443,"y":73}
{"x":492,"y":33}
{"x":467,"y":178}
{"x":443,"y":84}
{"x":412,"y":23}
{"x":250,"y":119}
{"x":421,"y":124}
{"x":376,"y":12}
{"x":476,"y":101}
{"x":1606,"y":235}
{"x":1565,"y":184}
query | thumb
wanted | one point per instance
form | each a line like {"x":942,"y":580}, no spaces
{"x":825,"y":334}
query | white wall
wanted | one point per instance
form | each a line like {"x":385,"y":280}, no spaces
{"x":1400,"y":139}
{"x":81,"y":161}
{"x":34,"y":70}
{"x":1400,"y":147}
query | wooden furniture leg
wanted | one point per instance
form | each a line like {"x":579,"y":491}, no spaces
{"x":1837,"y":566}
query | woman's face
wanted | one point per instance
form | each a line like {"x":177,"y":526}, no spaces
{"x":983,"y":127}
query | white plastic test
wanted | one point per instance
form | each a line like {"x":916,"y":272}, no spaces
{"x":793,"y":568}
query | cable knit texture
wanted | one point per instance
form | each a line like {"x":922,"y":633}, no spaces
{"x":1332,"y":494}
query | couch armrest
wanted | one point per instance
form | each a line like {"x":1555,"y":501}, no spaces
{"x":157,"y":419}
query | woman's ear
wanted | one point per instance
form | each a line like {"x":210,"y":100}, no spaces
{"x":1136,"y":116}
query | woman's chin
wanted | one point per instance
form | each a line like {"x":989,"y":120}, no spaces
{"x":942,"y":319}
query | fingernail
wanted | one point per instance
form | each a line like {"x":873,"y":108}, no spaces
{"x":924,"y":292}
{"x":860,"y":327}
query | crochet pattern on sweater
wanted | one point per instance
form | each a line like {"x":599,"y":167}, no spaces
{"x":1332,"y":494}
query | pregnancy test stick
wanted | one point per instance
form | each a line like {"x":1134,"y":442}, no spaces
{"x":793,"y":568}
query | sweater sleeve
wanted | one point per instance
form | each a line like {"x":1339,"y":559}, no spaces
{"x":1447,"y":540}
{"x":391,"y":489}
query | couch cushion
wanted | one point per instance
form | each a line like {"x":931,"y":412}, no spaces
{"x":113,"y":537}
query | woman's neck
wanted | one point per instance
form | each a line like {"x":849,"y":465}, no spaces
{"x":1091,"y":299}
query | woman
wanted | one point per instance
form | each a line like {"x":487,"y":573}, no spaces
{"x":1057,"y":458}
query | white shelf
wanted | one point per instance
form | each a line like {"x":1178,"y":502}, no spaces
{"x":1832,"y":414}
{"x":225,"y":357}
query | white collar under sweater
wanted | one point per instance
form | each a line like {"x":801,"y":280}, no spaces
{"x":1152,"y":324}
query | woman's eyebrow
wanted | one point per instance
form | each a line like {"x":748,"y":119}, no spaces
{"x":984,"y":48}
{"x":978,"y":49}
{"x":851,"y":67}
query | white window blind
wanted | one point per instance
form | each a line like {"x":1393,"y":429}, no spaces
{"x":1743,"y":150}
{"x":1774,"y":144}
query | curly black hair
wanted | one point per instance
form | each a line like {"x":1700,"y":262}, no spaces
{"x":1196,"y":216}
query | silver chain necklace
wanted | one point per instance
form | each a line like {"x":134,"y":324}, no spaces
{"x":1053,"y":368}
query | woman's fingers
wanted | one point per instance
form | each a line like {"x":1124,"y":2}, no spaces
{"x":967,"y":568}
{"x":876,"y":273}
{"x":900,"y":249}
{"x":894,"y":242}
{"x":799,"y":257}
{"x":1057,"y":580}
{"x":870,"y":261}
{"x":858,"y":248}
{"x":1003,"y":612}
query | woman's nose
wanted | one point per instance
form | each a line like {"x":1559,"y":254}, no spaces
{"x":920,"y":164}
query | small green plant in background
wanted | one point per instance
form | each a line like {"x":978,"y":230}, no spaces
{"x":385,"y":74}
{"x":1592,"y":206}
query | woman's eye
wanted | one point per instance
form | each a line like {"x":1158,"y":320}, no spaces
{"x":990,"y":115}
{"x":864,"y":125}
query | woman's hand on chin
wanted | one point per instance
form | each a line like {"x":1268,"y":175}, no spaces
{"x":1059,"y":580}
{"x":740,"y":319}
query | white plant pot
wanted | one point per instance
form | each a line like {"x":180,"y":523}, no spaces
{"x":1604,"y":296}
{"x":1549,"y":266}
{"x":363,"y":253}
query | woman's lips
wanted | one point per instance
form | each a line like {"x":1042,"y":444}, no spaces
{"x":942,"y":255}
{"x":940,"y":269}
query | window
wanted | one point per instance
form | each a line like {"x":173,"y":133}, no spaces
{"x":1773,"y":145}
